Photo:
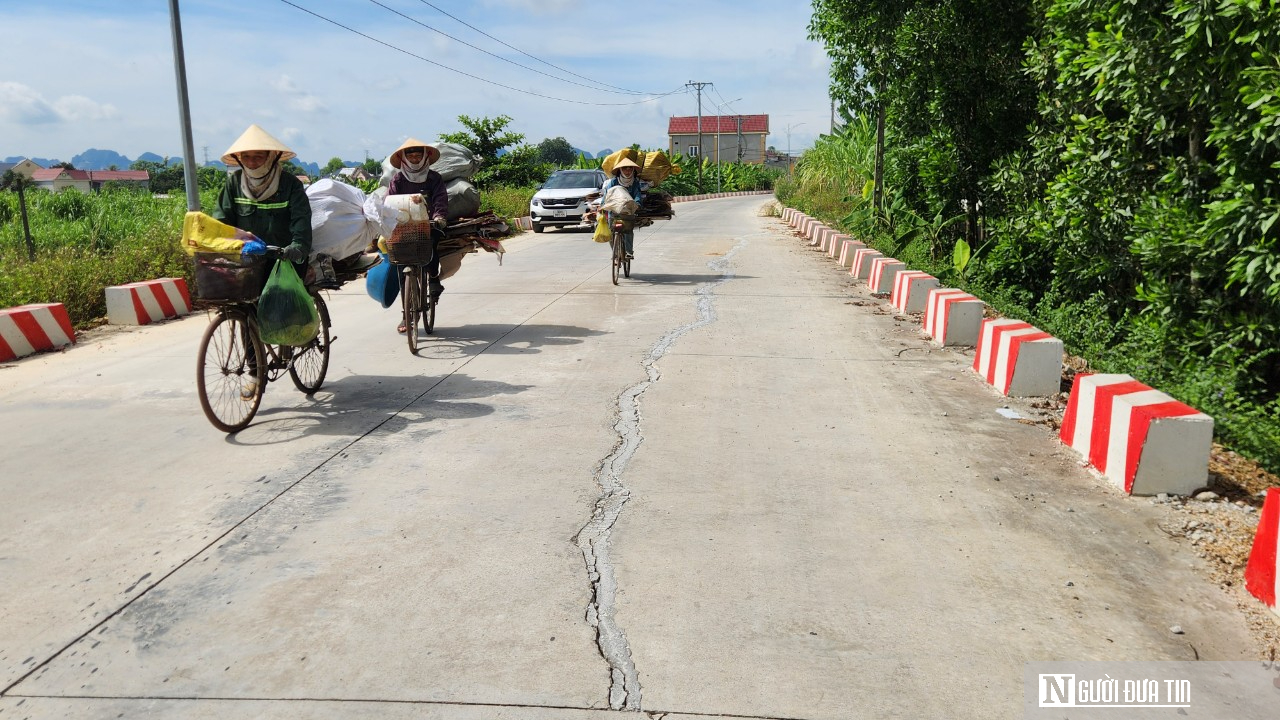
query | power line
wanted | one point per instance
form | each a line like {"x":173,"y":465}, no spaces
{"x":492,"y":55}
{"x":531,"y":57}
{"x":467,"y":74}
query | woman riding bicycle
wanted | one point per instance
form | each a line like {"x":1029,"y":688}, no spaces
{"x":625,"y":175}
{"x":263,"y":199}
{"x":413,"y":161}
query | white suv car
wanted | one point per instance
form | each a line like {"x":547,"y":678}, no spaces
{"x":562,"y":199}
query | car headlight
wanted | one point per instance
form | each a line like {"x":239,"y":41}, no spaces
{"x":535,"y":202}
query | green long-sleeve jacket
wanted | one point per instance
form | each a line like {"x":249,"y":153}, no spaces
{"x":283,"y":219}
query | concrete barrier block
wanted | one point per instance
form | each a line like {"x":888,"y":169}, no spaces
{"x":815,"y":229}
{"x":786,"y":215}
{"x":1262,"y":573}
{"x":1017,"y":359}
{"x":1141,"y":439}
{"x":146,"y":302}
{"x":797,"y":217}
{"x":911,"y":290}
{"x":833,"y":246}
{"x":27,"y":329}
{"x":845,"y":254}
{"x":824,"y":237}
{"x":953,"y":317}
{"x":883,"y":270}
{"x":862,"y":259}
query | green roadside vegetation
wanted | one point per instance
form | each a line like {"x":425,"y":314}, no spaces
{"x":1106,"y":171}
{"x":83,"y":243}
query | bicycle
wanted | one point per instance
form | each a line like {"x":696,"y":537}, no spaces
{"x":234,"y":365}
{"x":416,"y":301}
{"x":623,"y":224}
{"x":412,"y":250}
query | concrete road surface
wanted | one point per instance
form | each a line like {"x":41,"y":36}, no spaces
{"x":732,"y":486}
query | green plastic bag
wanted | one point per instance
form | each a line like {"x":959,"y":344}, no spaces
{"x":286,"y":313}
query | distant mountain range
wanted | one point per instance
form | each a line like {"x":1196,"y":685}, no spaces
{"x":95,"y":159}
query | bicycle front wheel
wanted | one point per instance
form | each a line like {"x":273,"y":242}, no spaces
{"x":231,"y":372}
{"x":311,"y":361}
{"x":616,"y":245}
{"x":411,"y":301}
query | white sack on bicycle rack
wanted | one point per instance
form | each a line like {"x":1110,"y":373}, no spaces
{"x":342,"y":221}
{"x":618,"y":200}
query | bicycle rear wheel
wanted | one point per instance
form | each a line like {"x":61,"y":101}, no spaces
{"x":231,"y":371}
{"x":311,"y":361}
{"x":411,"y":301}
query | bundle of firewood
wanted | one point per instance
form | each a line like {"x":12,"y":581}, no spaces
{"x":655,"y":204}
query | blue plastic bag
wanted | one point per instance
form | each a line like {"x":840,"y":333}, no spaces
{"x":382,"y":282}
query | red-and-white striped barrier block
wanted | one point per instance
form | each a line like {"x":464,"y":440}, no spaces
{"x":142,"y":303}
{"x":953,"y":317}
{"x":833,"y":247}
{"x":815,"y":232}
{"x":862,"y":259}
{"x":1141,"y":439}
{"x":786,"y":215}
{"x":824,"y":237}
{"x":883,"y":270}
{"x":807,"y":225}
{"x":846,"y":251}
{"x":1262,"y":574}
{"x":797,"y":217}
{"x":911,"y":289}
{"x":1017,"y":359}
{"x":26,"y":329}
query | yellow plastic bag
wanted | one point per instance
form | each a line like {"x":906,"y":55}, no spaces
{"x":655,"y":167}
{"x":603,"y":233}
{"x":202,"y":233}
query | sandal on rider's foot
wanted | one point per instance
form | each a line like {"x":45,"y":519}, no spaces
{"x":402,"y":329}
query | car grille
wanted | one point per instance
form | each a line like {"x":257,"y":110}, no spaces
{"x":561,"y":202}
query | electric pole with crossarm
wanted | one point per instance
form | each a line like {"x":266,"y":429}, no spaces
{"x":699,"y":86}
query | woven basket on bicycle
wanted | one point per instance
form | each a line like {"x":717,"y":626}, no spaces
{"x":230,"y":278}
{"x":410,"y":243}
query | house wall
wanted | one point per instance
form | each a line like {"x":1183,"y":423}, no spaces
{"x":63,"y":183}
{"x":753,"y":146}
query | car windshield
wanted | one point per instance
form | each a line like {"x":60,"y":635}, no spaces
{"x":569,"y":180}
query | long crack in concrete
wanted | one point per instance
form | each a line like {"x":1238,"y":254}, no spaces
{"x":593,"y":538}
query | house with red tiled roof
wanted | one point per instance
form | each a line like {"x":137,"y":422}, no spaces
{"x":137,"y":178}
{"x":55,"y":179}
{"x":723,"y":138}
{"x":87,"y":181}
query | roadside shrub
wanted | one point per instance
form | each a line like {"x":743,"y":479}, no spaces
{"x":506,"y":201}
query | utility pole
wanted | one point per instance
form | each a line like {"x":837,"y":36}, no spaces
{"x":739,"y":139}
{"x":699,"y":86}
{"x":184,"y":111}
{"x":206,"y":154}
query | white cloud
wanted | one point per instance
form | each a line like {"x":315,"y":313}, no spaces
{"x":25,"y":106}
{"x":75,"y":108}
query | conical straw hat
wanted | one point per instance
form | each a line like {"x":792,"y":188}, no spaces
{"x":433,"y":153}
{"x":625,"y":162}
{"x":255,"y":138}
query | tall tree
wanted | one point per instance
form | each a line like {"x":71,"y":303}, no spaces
{"x":484,"y":136}
{"x":556,"y":151}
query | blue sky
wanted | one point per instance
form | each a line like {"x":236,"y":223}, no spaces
{"x":99,"y":73}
